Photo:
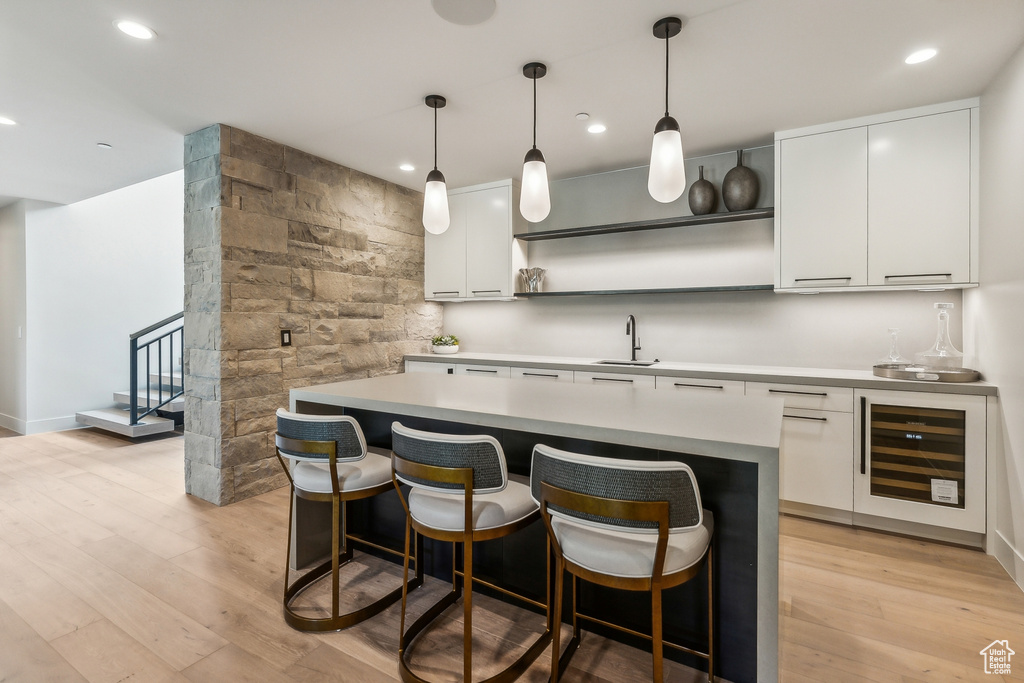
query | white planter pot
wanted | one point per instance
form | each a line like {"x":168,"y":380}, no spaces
{"x":446,"y":349}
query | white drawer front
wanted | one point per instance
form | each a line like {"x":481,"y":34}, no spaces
{"x":700,"y":387}
{"x":816,"y":458}
{"x":807,"y":396}
{"x":482,"y":370}
{"x":614,"y":379}
{"x":542,"y":374}
{"x":427,"y":366}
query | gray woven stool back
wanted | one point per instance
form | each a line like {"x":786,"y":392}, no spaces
{"x":341,"y":429}
{"x":618,"y":480}
{"x":482,"y":453}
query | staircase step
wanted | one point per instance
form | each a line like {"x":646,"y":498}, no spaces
{"x":155,"y":397}
{"x":155,"y":378}
{"x":116,"y":420}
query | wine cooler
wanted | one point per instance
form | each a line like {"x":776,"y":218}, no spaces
{"x":921,"y":458}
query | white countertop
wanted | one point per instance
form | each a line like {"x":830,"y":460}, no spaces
{"x":737,"y":428}
{"x":860,"y":379}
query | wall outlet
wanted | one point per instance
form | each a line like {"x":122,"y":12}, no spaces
{"x":286,"y":337}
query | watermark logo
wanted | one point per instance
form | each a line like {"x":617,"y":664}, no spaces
{"x":997,"y":657}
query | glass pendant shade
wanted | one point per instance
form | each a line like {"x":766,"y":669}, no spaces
{"x":666,"y":179}
{"x":435,"y":204}
{"x":535,"y":199}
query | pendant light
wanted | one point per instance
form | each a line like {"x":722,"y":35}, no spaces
{"x":535,"y":199}
{"x":667,"y":179}
{"x":435,"y":196}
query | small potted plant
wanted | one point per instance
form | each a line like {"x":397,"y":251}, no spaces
{"x":445,"y":343}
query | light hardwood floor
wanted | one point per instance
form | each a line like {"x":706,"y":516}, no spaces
{"x":108,"y":572}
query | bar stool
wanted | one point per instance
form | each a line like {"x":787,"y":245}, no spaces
{"x":630,"y":524}
{"x":460,"y":493}
{"x":331,"y":463}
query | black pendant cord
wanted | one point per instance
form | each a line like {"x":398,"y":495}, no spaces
{"x":535,"y":112}
{"x":435,"y":138}
{"x":666,"y":75}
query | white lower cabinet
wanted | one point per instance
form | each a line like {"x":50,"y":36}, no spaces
{"x":815,"y":453}
{"x":614,"y":379}
{"x":482,"y":370}
{"x":542,"y":374}
{"x":694,"y":386}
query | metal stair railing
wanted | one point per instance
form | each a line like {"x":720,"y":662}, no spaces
{"x":155,"y":345}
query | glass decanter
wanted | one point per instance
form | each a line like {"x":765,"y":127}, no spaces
{"x":942,"y":355}
{"x":894,"y":357}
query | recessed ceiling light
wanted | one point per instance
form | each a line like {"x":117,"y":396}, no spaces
{"x":921,"y":56}
{"x":582,"y":116}
{"x":407,"y":167}
{"x":6,"y":121}
{"x":596,"y":128}
{"x":135,"y":29}
{"x":104,"y":145}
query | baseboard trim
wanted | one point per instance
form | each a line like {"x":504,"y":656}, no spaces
{"x":53,"y":424}
{"x":12,"y":423}
{"x":1011,"y":559}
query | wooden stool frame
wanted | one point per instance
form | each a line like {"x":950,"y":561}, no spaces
{"x":641,"y":511}
{"x":339,"y":555}
{"x":462,"y":476}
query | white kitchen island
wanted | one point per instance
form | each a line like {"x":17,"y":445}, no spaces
{"x":732,"y":443}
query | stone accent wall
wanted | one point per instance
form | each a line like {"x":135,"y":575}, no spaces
{"x":275,"y":239}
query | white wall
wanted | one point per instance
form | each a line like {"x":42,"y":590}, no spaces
{"x":96,"y":271}
{"x":995,"y":317}
{"x":12,"y":316}
{"x":845,"y":330}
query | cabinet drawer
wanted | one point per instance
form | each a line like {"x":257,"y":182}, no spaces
{"x":542,"y":374}
{"x":700,"y":386}
{"x":482,"y":370}
{"x":807,"y":396}
{"x":816,"y":458}
{"x":427,"y":366}
{"x":614,"y":378}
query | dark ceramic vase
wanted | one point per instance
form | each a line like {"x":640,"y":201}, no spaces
{"x":740,"y":187}
{"x":702,"y":197}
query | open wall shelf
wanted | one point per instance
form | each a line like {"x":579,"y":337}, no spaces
{"x":669,"y":290}
{"x":680,"y":222}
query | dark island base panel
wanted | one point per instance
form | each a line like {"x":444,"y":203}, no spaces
{"x":728,"y":489}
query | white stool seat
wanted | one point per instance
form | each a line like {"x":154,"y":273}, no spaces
{"x":373,"y":470}
{"x":447,"y":511}
{"x":628,"y":553}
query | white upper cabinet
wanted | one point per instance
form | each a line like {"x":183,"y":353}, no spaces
{"x":476,"y":258}
{"x":887,"y":201}
{"x":823,"y":181}
{"x":444,"y":256}
{"x":919,"y":200}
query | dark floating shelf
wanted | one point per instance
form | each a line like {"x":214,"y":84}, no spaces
{"x":680,"y":222}
{"x":670,"y":290}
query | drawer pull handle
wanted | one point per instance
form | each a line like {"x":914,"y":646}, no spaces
{"x":823,"y":394}
{"x":455,"y":292}
{"x":539,"y":374}
{"x":698,"y":386}
{"x":486,"y":372}
{"x":920,"y":275}
{"x":611,"y":379}
{"x":486,"y":291}
{"x":820,"y":279}
{"x":806,"y":417}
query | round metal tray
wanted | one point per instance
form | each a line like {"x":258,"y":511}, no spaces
{"x":911,"y":371}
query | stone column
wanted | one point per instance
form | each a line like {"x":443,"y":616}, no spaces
{"x":276,"y":239}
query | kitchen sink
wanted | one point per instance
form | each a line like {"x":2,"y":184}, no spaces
{"x":639,"y":363}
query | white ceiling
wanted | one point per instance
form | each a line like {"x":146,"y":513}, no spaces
{"x":345,"y":79}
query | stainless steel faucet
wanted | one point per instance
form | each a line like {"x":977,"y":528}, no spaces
{"x":634,"y":339}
